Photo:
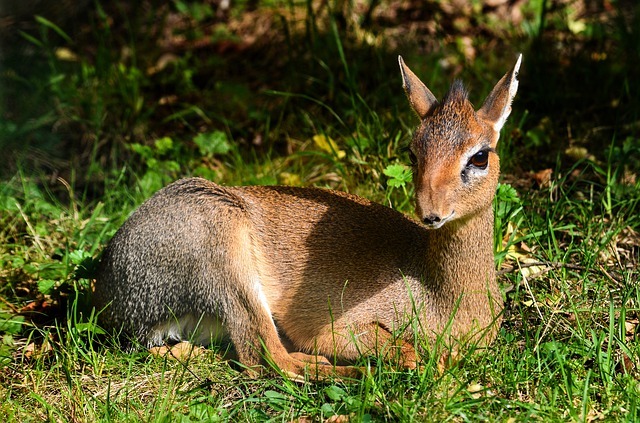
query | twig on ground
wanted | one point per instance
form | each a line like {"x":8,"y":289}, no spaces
{"x":11,"y":306}
{"x":550,"y":265}
{"x":556,"y":265}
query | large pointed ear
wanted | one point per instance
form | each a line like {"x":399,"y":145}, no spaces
{"x":421,"y":99}
{"x":497,"y":106}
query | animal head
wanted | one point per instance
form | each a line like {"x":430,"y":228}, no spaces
{"x":456,"y":167}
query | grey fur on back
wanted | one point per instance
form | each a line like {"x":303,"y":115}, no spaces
{"x":160,"y":263}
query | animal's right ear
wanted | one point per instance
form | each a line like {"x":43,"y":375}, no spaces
{"x":421,"y":99}
{"x":497,"y":106}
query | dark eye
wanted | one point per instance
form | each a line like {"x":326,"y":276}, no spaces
{"x":480,"y":159}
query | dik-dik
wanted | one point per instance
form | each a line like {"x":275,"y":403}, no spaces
{"x":293,"y":275}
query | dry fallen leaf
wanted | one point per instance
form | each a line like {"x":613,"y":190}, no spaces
{"x":338,"y":418}
{"x":631,"y":328}
{"x":327,"y":144}
{"x":291,"y":179}
{"x":478,"y":390}
{"x":628,"y":177}
{"x":626,"y":364}
{"x":37,"y":351}
{"x":578,"y":153}
{"x":180,"y":351}
{"x":542,"y":177}
{"x":39,"y":306}
{"x":164,"y":60}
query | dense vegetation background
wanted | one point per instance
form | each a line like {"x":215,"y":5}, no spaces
{"x":104,"y":102}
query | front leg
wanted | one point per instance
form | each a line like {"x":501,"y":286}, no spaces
{"x":372,"y":339}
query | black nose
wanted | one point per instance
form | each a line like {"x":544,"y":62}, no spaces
{"x":431,"y":219}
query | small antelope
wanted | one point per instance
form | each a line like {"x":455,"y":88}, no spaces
{"x":293,"y":275}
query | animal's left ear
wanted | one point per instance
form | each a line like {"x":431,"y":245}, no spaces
{"x":421,"y":98}
{"x":497,"y":106}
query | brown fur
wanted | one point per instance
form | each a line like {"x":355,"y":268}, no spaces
{"x":302,"y":276}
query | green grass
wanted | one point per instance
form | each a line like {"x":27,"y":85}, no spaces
{"x":321,"y":105}
{"x":567,"y":349}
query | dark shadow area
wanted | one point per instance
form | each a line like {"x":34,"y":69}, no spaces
{"x":87,"y":85}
